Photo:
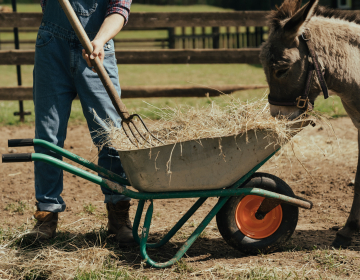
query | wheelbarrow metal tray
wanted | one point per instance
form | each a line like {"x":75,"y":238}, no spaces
{"x":206,"y":164}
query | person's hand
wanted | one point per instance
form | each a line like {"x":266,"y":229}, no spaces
{"x":97,"y":52}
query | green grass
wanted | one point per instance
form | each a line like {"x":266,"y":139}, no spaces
{"x":157,"y":75}
{"x":331,"y":106}
{"x":89,"y":208}
{"x":18,"y":207}
{"x":147,"y":75}
{"x":152,"y":75}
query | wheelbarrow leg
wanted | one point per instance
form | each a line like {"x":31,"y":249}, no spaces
{"x":186,"y":245}
{"x":137,"y":219}
{"x":173,"y":231}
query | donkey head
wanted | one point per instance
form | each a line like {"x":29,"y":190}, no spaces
{"x":285,"y":57}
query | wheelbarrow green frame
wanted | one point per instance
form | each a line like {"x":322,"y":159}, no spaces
{"x":118,"y":184}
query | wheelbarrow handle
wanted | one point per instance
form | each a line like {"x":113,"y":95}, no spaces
{"x":16,"y":157}
{"x":20,"y":142}
{"x":99,"y":67}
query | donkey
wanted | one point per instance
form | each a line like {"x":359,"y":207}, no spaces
{"x":286,"y":59}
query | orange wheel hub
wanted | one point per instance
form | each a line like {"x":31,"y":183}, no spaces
{"x":249,"y":225}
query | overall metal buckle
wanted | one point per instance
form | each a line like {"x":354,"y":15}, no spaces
{"x":302,"y":105}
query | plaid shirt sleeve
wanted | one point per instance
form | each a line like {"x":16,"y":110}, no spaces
{"x":121,"y":7}
{"x":42,"y":4}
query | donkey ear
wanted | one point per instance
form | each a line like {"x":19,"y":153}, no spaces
{"x":290,"y":6}
{"x":298,"y":4}
{"x":302,"y":16}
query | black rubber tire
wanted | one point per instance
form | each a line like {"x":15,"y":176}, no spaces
{"x":229,"y":230}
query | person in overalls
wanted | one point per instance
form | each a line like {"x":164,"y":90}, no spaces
{"x":62,"y":71}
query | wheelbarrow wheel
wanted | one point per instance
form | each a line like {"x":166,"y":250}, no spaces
{"x":240,"y":228}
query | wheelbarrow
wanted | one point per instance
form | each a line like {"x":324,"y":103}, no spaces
{"x":256,"y":212}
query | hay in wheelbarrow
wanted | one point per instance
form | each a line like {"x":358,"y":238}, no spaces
{"x":204,"y":148}
{"x":185,"y":123}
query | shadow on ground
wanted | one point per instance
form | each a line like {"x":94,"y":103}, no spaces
{"x":202,"y":250}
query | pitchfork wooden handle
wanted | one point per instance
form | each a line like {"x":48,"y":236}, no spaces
{"x":99,"y":67}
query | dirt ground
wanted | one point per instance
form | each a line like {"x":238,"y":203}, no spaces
{"x":330,"y":161}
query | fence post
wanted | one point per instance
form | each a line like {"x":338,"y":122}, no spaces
{"x":171,"y":32}
{"x":183,"y":29}
{"x":229,"y":38}
{"x":238,"y":30}
{"x":261,"y":34}
{"x":248,"y":37}
{"x":256,"y":36}
{"x":216,"y":37}
{"x":21,"y":112}
{"x":203,"y":31}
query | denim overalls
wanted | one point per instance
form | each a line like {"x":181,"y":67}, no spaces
{"x":61,"y":73}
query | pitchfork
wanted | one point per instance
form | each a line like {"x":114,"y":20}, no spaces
{"x":120,"y":107}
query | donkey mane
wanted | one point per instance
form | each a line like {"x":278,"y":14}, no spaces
{"x":290,"y":7}
{"x":347,"y":15}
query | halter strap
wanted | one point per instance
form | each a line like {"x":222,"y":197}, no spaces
{"x":303,"y":102}
{"x":316,"y":63}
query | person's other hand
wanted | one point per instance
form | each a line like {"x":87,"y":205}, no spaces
{"x":97,"y":52}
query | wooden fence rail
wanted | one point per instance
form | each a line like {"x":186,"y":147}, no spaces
{"x":123,"y":40}
{"x":157,"y":20}
{"x":228,"y":40}
{"x":232,"y":56}
{"x":26,"y":93}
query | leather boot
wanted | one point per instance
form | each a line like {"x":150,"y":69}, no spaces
{"x":45,"y":227}
{"x":119,"y":223}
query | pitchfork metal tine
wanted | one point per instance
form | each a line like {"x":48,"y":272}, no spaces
{"x":127,"y":135}
{"x":142,"y":136}
{"x":132,"y":132}
{"x":122,"y":125}
{"x":152,"y":135}
{"x":129,"y":121}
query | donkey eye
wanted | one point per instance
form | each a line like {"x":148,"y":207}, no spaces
{"x":281,"y":72}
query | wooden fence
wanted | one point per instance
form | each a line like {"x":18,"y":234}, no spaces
{"x":149,"y":21}
{"x":25,"y":93}
{"x":231,"y":38}
{"x":188,"y":36}
{"x":234,"y":56}
{"x":142,"y":21}
{"x":214,"y":48}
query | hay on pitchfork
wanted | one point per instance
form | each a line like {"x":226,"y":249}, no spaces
{"x":185,"y":123}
